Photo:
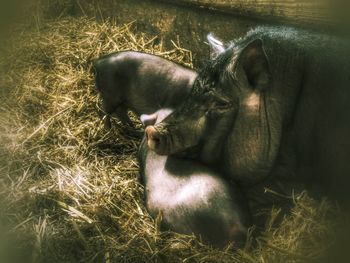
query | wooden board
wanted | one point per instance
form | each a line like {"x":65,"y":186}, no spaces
{"x":311,"y":12}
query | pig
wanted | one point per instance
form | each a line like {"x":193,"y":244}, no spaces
{"x":140,"y":82}
{"x":190,"y":197}
{"x":272,"y":110}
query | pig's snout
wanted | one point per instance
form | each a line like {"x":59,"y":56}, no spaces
{"x":153,"y":138}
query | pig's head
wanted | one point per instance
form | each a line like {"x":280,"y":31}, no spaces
{"x":197,"y":120}
{"x":228,"y":87}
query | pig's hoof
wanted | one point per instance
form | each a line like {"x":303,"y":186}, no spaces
{"x":107,"y":123}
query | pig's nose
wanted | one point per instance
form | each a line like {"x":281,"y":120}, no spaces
{"x":152,"y":137}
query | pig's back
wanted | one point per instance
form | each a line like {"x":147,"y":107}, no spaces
{"x":193,"y":199}
{"x":146,"y":82}
{"x":162,"y":82}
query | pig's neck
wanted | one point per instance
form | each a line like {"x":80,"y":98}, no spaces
{"x":252,"y":145}
{"x":211,"y":153}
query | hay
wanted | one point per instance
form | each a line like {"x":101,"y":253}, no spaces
{"x":69,"y":188}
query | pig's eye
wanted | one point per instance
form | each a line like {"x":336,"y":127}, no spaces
{"x":221,"y":105}
{"x":218,"y":107}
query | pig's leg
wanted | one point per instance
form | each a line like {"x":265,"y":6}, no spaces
{"x":122,"y":114}
{"x":105,"y":117}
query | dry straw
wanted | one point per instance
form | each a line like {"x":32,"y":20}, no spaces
{"x":69,"y":188}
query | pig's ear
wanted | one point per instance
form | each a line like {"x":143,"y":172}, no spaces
{"x":216,"y":46}
{"x":148,"y":119}
{"x":255,"y":65}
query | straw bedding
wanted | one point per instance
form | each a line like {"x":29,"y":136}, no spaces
{"x":69,"y":188}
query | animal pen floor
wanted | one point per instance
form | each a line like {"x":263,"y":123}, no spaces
{"x":69,"y":188}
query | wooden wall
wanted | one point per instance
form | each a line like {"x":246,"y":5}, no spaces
{"x":315,"y":13}
{"x":191,"y":20}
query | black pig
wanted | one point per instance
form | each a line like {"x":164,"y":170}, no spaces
{"x":140,"y":82}
{"x":272,"y":109}
{"x":190,"y":197}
